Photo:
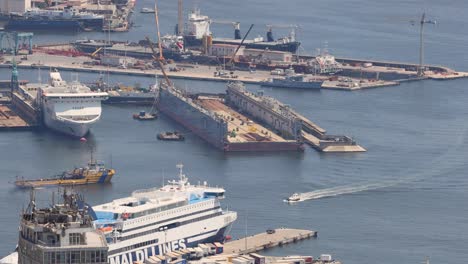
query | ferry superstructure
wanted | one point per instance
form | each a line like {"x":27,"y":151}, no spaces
{"x":44,"y":19}
{"x":159,"y":220}
{"x":69,"y":107}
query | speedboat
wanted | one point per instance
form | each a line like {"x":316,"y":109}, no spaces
{"x":294,"y":198}
{"x":147,"y":10}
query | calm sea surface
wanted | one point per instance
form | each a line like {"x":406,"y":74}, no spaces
{"x":416,"y":135}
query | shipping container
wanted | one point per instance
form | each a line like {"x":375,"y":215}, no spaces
{"x":259,"y":259}
{"x":219,"y":247}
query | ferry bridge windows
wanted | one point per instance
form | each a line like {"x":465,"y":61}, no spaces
{"x":76,"y":257}
{"x":75,"y":238}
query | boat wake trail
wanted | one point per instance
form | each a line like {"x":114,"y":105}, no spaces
{"x":439,"y":166}
{"x":347,"y":189}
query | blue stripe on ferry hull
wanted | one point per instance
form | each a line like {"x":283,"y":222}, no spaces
{"x":142,"y":254}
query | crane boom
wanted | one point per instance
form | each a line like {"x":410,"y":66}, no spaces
{"x":161,"y":57}
{"x":240,"y":45}
{"x":161,"y":65}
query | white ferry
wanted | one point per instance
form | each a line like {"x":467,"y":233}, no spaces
{"x":159,"y":220}
{"x":70,"y":108}
{"x":149,"y":222}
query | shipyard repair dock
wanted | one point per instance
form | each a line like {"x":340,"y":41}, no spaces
{"x":212,"y":119}
{"x":243,"y":121}
{"x":265,"y":240}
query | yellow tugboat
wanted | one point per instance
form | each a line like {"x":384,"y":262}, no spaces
{"x":95,"y":172}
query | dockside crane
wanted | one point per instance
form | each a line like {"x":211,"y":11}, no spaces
{"x":159,"y":61}
{"x":231,"y":61}
{"x":156,"y":18}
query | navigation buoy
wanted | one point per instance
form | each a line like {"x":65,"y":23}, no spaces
{"x":83,"y":139}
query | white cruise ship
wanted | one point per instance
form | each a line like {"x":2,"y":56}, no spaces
{"x":70,"y":108}
{"x":159,"y":220}
{"x":150,"y":222}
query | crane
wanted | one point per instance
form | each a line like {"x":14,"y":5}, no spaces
{"x":161,"y":57}
{"x":270,"y":27}
{"x":230,"y":63}
{"x":161,"y":65}
{"x":421,"y":41}
{"x":236,"y":25}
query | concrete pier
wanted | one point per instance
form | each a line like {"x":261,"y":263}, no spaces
{"x":279,"y":237}
{"x":364,"y":76}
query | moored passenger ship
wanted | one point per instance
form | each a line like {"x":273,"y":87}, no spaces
{"x":149,"y":222}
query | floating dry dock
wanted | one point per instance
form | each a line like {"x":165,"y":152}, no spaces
{"x":243,"y":121}
{"x":209,"y":117}
{"x":279,"y":237}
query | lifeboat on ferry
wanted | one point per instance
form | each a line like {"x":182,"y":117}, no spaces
{"x":106,"y":229}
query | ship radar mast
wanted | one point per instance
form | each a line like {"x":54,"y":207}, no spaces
{"x":182,"y":178}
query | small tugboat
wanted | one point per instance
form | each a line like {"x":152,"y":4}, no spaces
{"x":144,"y":116}
{"x":171,"y":136}
{"x":294,"y":198}
{"x":95,"y":172}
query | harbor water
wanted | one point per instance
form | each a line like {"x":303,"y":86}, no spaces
{"x":401,"y":201}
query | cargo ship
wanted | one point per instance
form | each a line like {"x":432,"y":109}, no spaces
{"x":198,"y":27}
{"x":211,"y":118}
{"x":95,"y":172}
{"x":42,"y":19}
{"x":173,"y":48}
{"x":149,"y":222}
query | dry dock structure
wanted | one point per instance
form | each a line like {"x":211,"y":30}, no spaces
{"x":286,"y":121}
{"x":243,"y":121}
{"x":209,"y":117}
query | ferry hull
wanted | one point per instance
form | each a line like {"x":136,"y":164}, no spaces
{"x":74,"y":129}
{"x":42,"y":24}
{"x":206,"y":231}
{"x":55,"y":24}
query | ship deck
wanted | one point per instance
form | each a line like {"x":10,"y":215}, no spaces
{"x":245,"y":129}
